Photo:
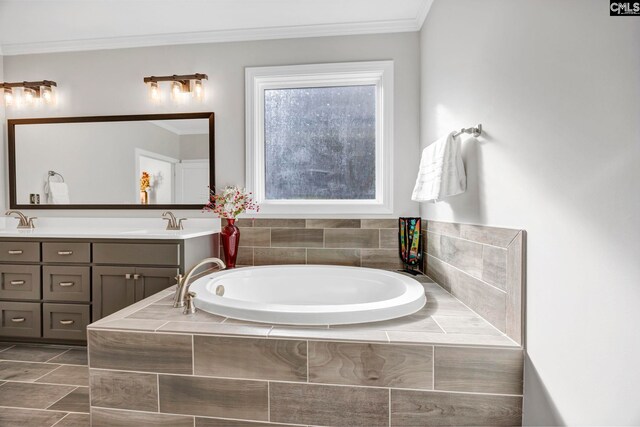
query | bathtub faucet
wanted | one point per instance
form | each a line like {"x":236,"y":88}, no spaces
{"x":182,"y":291}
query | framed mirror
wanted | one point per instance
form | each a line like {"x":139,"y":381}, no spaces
{"x":151,"y":161}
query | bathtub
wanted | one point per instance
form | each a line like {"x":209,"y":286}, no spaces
{"x":308,"y":294}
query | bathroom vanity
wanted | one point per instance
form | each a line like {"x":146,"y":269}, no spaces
{"x":69,"y":272}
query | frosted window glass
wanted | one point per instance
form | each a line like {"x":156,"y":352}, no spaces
{"x":320,"y":143}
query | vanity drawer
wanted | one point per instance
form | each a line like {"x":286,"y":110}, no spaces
{"x":20,"y":281}
{"x":20,"y":251}
{"x":65,"y":321}
{"x":20,"y":319}
{"x":66,"y":283}
{"x":66,"y":252}
{"x":136,"y":253}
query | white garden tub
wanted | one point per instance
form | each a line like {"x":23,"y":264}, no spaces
{"x":308,"y":294}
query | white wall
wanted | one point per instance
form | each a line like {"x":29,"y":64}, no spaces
{"x":110,"y":82}
{"x":557,"y":86}
{"x":4,"y":174}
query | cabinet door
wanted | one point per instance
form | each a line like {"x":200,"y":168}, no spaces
{"x":113,"y":290}
{"x":153,"y":280}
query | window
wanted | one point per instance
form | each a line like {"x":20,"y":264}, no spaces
{"x":319,"y":138}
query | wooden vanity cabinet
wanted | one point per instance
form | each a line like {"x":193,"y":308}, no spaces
{"x":51,"y":289}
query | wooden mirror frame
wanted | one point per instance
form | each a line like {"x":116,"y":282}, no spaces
{"x":12,"y":123}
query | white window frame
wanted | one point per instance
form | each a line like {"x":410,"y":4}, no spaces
{"x":259,"y":79}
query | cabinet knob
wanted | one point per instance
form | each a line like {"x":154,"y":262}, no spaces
{"x":65,"y":252}
{"x":18,"y":282}
{"x":136,"y":276}
{"x":67,"y":322}
{"x":14,"y":252}
{"x":18,"y":319}
{"x":66,"y":284}
{"x":127,"y":276}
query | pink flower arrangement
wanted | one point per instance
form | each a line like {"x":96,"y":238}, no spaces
{"x":231,"y":202}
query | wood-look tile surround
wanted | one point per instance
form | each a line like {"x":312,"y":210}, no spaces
{"x":352,"y":242}
{"x":483,"y":267}
{"x":239,"y":373}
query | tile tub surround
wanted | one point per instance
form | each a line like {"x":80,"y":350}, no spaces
{"x":444,"y":365}
{"x":483,"y":267}
{"x":352,"y":242}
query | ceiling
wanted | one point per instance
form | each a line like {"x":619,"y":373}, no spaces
{"x":40,"y":26}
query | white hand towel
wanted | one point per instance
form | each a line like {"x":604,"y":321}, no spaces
{"x":441,"y":172}
{"x":58,"y":193}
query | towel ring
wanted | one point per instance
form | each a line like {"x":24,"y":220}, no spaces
{"x":54,"y":173}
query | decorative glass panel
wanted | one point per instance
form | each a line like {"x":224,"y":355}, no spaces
{"x":320,"y":143}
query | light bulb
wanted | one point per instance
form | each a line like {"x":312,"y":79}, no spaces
{"x":198,"y":89}
{"x":8,"y":96}
{"x":154,"y":91}
{"x":29,"y":95}
{"x":46,"y":93}
{"x":176,"y":89}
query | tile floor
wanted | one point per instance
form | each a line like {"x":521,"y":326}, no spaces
{"x":43,"y":385}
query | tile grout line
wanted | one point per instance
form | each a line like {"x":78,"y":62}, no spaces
{"x":433,"y":368}
{"x":67,"y":394}
{"x":269,"y":401}
{"x":193,"y":358}
{"x":58,"y":355}
{"x":439,"y":326}
{"x":303,"y":383}
{"x":58,"y":422}
{"x":50,"y":372}
{"x":158,"y":389}
{"x":159,"y":327}
{"x":474,"y":241}
{"x":46,"y":410}
{"x":8,"y":348}
{"x":389,"y":406}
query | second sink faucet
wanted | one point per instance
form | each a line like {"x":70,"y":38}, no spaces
{"x":24,"y":222}
{"x":173,"y":224}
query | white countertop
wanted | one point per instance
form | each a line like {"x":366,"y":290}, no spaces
{"x":109,"y":228}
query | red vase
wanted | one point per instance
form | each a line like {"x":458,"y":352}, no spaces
{"x":230,"y":239}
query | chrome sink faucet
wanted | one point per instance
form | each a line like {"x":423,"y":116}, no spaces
{"x":183,"y":296}
{"x":24,"y":222}
{"x":173,"y":224}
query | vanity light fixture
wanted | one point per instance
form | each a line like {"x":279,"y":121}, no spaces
{"x":189,"y":84}
{"x":32,"y":92}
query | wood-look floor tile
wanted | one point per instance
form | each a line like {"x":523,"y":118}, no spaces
{"x":495,"y":236}
{"x":74,"y":356}
{"x":18,"y":417}
{"x":419,"y":321}
{"x":348,"y":257}
{"x":376,"y":365}
{"x":32,"y":395}
{"x":279,"y":222}
{"x":426,"y":408}
{"x":462,"y":254}
{"x":167,"y":313}
{"x":483,"y":370}
{"x":214,"y":397}
{"x":102,"y":417}
{"x":125,"y":324}
{"x":416,"y":337}
{"x":124,"y":390}
{"x":466,"y":325}
{"x":68,"y":374}
{"x":251,"y":358}
{"x":445,"y":228}
{"x":140,"y":352}
{"x":76,"y":401}
{"x":325,"y":405}
{"x":24,"y":371}
{"x":4,"y":346}
{"x":31,"y":353}
{"x":351,"y":238}
{"x":75,"y":420}
{"x":515,"y":283}
{"x":242,"y":328}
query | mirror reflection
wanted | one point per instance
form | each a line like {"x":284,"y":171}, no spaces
{"x":154,"y":162}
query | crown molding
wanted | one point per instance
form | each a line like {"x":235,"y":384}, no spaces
{"x":221,"y":36}
{"x":423,"y":12}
